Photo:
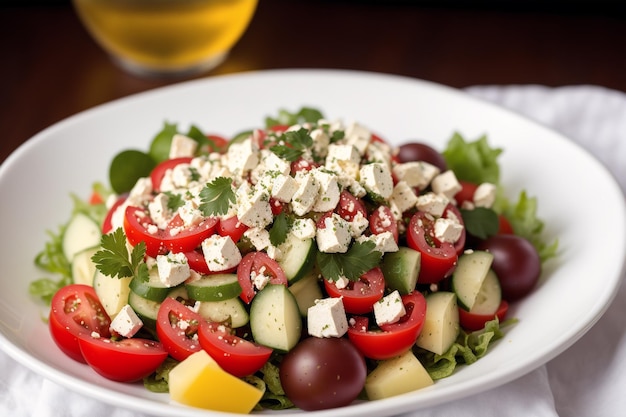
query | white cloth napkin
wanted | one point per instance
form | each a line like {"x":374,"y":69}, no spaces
{"x":588,"y":379}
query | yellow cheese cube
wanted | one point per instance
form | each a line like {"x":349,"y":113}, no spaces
{"x":397,"y":376}
{"x":198,"y":381}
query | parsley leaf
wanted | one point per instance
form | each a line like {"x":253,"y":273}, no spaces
{"x":295,"y":144}
{"x":360,"y":258}
{"x":113,"y":259}
{"x":280,"y":229}
{"x":480,"y":222}
{"x":217,"y":196}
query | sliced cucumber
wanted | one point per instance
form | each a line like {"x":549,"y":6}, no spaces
{"x":401,"y":269}
{"x":441,"y":324}
{"x":298,"y":257}
{"x":217,"y":287}
{"x":306,"y":290}
{"x":82,"y":232}
{"x":468,"y":276}
{"x":112,"y":292}
{"x":231,"y":309}
{"x":275,"y":318}
{"x":148,"y":310}
{"x":153,"y":289}
{"x":489,"y":297}
{"x":83,"y":268}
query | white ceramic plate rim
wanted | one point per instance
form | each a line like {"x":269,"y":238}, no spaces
{"x":399,"y":108}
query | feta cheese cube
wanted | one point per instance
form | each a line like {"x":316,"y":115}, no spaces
{"x":303,"y":228}
{"x":379,"y":152}
{"x":447,"y":230}
{"x":358,"y":224}
{"x":343,"y":159}
{"x":358,"y":136}
{"x":242,"y":157}
{"x":142,"y":188}
{"x":485,"y":195}
{"x":253,"y":208}
{"x":190,"y":213}
{"x":403,"y":196}
{"x":446,"y":184}
{"x":335,"y":236}
{"x":432,"y":203}
{"x":126,"y":323}
{"x":321,"y":140}
{"x":376,"y":178}
{"x":305,"y":196}
{"x":328,"y":194}
{"x":182,"y":146}
{"x":283,"y":188}
{"x":259,"y":237}
{"x":220,"y":253}
{"x":327,"y":318}
{"x":173,"y":268}
{"x":389,"y":309}
{"x":384,"y":241}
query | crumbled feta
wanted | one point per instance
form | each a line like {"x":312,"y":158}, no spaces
{"x":447,"y":230}
{"x":328,"y":194}
{"x":446,"y":184}
{"x":242,"y":157}
{"x":358,"y":136}
{"x":384,"y":241}
{"x":253,"y":208}
{"x":431,"y":203}
{"x":305,"y":196}
{"x":327,"y":318}
{"x":485,"y":195}
{"x":343,"y":159}
{"x":403,"y":197}
{"x":283,"y":188}
{"x":303,"y":228}
{"x":159,"y":212}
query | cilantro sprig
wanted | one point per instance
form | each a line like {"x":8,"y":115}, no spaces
{"x":217,"y":196}
{"x":296,"y":142}
{"x":113,"y":259}
{"x":360,"y":258}
{"x":280,"y":228}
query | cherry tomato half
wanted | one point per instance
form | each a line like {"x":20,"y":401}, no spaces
{"x":258,"y":263}
{"x":232,"y":227}
{"x":359,"y":297}
{"x":235,"y":355}
{"x":75,"y":310}
{"x":382,"y":220}
{"x":393,"y":339}
{"x":470,"y":321}
{"x":176,"y":326}
{"x":137,"y":221}
{"x":126,"y":360}
{"x":106,"y":224}
{"x":349,"y":206}
{"x":437,"y":259}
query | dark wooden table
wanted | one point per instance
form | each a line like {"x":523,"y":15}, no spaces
{"x":52,"y":69}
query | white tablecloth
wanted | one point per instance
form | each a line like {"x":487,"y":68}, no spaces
{"x":587,"y":380}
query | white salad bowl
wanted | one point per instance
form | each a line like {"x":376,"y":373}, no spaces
{"x":68,"y":157}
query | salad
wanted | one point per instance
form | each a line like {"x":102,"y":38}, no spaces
{"x":305,"y":264}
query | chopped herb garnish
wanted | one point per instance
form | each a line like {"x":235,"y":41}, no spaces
{"x":280,"y":229}
{"x":113,"y":259}
{"x":360,"y":258}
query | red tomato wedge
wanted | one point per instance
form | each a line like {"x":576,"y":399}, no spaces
{"x":359,"y":297}
{"x":126,"y":360}
{"x":106,"y":224}
{"x":176,"y":327}
{"x":470,"y":321}
{"x":75,"y":311}
{"x":137,"y":223}
{"x":438,"y":259}
{"x":235,"y":355}
{"x":393,"y":339}
{"x":258,"y":263}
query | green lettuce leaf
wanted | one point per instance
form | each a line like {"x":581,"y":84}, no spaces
{"x":473,"y":161}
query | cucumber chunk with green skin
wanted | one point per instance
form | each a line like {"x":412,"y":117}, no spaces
{"x":275,"y":319}
{"x":83,"y":268}
{"x":401,"y":269}
{"x":153,"y":289}
{"x":306,"y":290}
{"x":489,"y":297}
{"x":297,"y":258}
{"x":217,"y":287}
{"x":441,"y":324}
{"x":231,"y":310}
{"x":469,"y":275}
{"x":82,"y":232}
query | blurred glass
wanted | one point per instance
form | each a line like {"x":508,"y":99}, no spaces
{"x":166,"y":37}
